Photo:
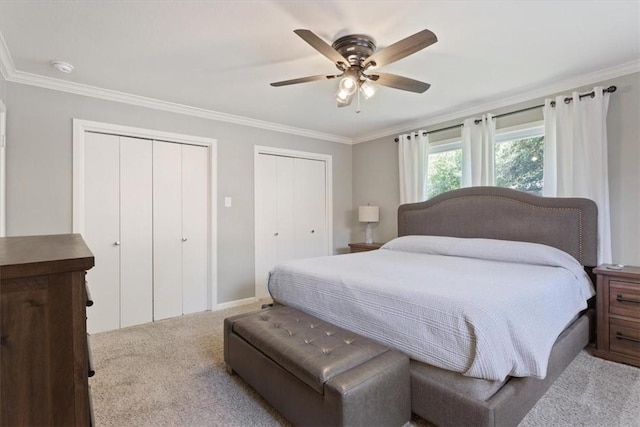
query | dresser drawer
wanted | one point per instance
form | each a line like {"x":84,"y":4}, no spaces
{"x":624,"y":337}
{"x":624,"y":299}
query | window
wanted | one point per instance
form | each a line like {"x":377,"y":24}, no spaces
{"x":518,"y":162}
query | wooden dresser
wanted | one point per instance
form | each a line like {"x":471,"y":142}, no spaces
{"x":363,"y":247}
{"x":618,"y":307}
{"x":44,"y":351}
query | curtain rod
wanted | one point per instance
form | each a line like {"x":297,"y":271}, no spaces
{"x":567,"y":100}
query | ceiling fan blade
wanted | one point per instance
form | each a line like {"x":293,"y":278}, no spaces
{"x":321,"y":46}
{"x":401,"y":49}
{"x":304,"y":80}
{"x":399,"y":82}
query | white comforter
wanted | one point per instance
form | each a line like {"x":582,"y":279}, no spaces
{"x":485,"y":308}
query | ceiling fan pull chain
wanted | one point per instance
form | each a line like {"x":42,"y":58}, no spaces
{"x":358,"y":109}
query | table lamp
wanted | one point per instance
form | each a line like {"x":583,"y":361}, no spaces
{"x":368,"y":214}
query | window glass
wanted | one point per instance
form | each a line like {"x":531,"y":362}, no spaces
{"x":519,"y":164}
{"x":445,"y":171}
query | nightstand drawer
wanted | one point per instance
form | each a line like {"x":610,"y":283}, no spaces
{"x":624,"y":337}
{"x":624,"y":299}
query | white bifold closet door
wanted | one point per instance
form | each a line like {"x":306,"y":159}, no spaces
{"x":146,"y":222}
{"x":195,"y":231}
{"x":136,"y":232}
{"x":118,"y":229}
{"x":180,"y":176}
{"x":291,"y":217}
{"x":309,"y":208}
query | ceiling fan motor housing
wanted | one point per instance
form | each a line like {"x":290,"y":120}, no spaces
{"x":356,"y":48}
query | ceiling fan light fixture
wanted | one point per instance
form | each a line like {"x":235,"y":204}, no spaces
{"x":342,"y":96}
{"x":349,"y":85}
{"x":367,"y":89}
{"x":343,"y":102}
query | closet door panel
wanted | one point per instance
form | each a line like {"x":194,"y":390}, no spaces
{"x":136,"y":232}
{"x":167,"y":230}
{"x":285,"y":209}
{"x":102,"y":228}
{"x":195,"y":199}
{"x":310,"y":208}
{"x":266,"y":220}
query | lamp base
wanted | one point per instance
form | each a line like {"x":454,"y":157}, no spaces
{"x":368,"y":234}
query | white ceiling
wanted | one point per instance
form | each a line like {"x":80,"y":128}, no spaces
{"x":220,"y":56}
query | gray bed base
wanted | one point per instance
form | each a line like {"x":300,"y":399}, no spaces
{"x":446,"y":398}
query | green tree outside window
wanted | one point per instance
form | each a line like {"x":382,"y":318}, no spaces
{"x":519,"y":164}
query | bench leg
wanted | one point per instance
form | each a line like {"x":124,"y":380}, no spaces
{"x":229,"y":369}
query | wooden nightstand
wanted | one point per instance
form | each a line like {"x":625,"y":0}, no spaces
{"x":363,"y":247}
{"x":618,"y":307}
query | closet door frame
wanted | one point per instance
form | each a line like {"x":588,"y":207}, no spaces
{"x":3,"y":169}
{"x":80,"y":127}
{"x":328,"y":161}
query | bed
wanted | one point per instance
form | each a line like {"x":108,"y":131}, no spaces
{"x":467,"y":389}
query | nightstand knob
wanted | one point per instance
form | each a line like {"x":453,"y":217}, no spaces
{"x":620,"y":336}
{"x":621,"y":298}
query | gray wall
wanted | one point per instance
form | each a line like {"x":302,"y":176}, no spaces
{"x":375,"y":167}
{"x":39,"y":171}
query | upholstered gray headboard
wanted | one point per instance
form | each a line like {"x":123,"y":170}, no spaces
{"x":569,"y":224}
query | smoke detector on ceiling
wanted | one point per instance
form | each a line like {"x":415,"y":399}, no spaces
{"x":62,"y":66}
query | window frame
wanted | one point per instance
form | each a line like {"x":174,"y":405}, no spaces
{"x":525,"y":130}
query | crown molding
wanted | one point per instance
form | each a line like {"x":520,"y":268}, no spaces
{"x":467,"y":110}
{"x":6,"y":63}
{"x":10,"y":74}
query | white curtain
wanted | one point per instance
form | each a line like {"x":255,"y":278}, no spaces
{"x":478,"y":149}
{"x":413,"y":154}
{"x":575,"y":156}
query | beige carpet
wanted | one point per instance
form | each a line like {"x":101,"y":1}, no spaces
{"x":171,"y":373}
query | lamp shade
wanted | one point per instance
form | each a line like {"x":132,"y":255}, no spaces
{"x":368,"y":213}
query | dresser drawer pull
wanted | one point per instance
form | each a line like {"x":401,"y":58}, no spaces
{"x":89,"y":299}
{"x":90,"y":369}
{"x":621,"y":298}
{"x":622,"y":337}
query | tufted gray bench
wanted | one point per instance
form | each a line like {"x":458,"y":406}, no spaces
{"x":315,"y":373}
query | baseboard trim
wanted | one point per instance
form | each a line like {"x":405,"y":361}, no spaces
{"x":236,"y":303}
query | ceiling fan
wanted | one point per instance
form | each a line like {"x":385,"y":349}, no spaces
{"x":355,"y":55}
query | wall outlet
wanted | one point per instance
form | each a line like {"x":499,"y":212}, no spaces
{"x":227,"y":202}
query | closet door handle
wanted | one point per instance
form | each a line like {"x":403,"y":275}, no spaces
{"x":184,"y":239}
{"x":276,"y":233}
{"x":313,"y":231}
{"x":117,"y":243}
